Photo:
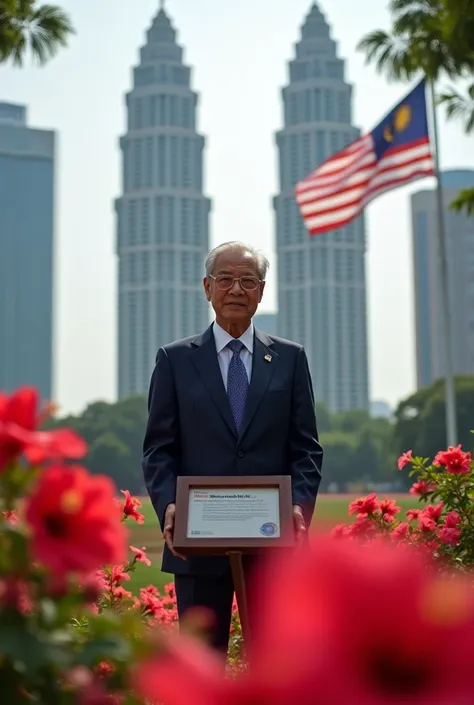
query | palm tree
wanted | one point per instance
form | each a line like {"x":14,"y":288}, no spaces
{"x":433,"y":38}
{"x":427,"y":36}
{"x":26,"y":26}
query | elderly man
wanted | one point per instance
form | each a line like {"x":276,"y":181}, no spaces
{"x":217,"y":407}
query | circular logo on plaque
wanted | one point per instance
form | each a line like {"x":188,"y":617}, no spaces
{"x":268,"y":529}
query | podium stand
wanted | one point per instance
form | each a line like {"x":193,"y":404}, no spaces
{"x":234,"y":516}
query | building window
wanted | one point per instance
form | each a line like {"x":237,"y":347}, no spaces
{"x":329,"y":105}
{"x":334,"y":142}
{"x":138,"y":114}
{"x":334,"y":69}
{"x":151,"y":109}
{"x":149,"y":161}
{"x":294,"y":159}
{"x":162,"y":110}
{"x":145,"y":267}
{"x":171,"y":234}
{"x":307,"y":155}
{"x":138,"y":164}
{"x":145,"y":224}
{"x":308,"y":113}
{"x":198,"y":165}
{"x":197,"y":222}
{"x":161,"y":161}
{"x":317,"y":68}
{"x":132,"y":223}
{"x":343,"y":108}
{"x":320,"y":147}
{"x":186,"y":163}
{"x":186,"y":112}
{"x":317,"y":105}
{"x":173,"y":110}
{"x":293,"y":109}
{"x":185,"y":229}
{"x":159,"y":230}
{"x":174,"y":161}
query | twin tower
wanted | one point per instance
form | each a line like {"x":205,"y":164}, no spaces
{"x":163,"y":219}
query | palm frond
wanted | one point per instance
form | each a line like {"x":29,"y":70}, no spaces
{"x":390,"y":54}
{"x":24,"y":25}
{"x":459,"y":106}
{"x":464,"y":202}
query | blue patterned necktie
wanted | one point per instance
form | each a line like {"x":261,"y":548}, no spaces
{"x":237,"y":383}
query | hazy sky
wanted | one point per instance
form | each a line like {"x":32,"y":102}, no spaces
{"x":239,"y":51}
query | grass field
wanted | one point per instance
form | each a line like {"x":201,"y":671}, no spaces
{"x":330,"y":510}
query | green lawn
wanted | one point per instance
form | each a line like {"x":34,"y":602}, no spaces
{"x":330,"y":510}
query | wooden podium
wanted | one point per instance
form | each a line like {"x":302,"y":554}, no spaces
{"x":234,"y":516}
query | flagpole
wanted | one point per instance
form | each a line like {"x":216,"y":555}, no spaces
{"x":450,"y":392}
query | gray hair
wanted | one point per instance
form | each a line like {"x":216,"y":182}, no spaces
{"x":262,"y":262}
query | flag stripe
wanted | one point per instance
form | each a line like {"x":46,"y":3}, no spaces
{"x":363,"y":170}
{"x":354,"y":191}
{"x":339,"y":217}
{"x":337,"y":191}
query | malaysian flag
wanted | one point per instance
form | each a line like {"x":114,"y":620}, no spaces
{"x":396,"y":152}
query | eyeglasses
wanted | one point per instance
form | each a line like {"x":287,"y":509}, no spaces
{"x":224,"y":282}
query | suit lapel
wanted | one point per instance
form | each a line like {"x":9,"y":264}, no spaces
{"x":263,"y":365}
{"x":207,"y":365}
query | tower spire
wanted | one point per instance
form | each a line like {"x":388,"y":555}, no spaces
{"x":162,"y":5}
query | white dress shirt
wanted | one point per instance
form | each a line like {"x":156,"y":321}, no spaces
{"x":224,"y":354}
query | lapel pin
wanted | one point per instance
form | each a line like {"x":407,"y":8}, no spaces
{"x":268,"y":358}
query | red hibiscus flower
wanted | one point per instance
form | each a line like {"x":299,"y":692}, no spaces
{"x":454,"y":460}
{"x":422,"y":487}
{"x":129,"y":507}
{"x":364,"y":505}
{"x":404,"y":459}
{"x":339,"y":643}
{"x":140,"y":555}
{"x":19,"y":419}
{"x":389,"y":508}
{"x":75,"y":524}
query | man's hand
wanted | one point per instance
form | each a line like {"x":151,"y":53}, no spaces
{"x":299,"y":524}
{"x":168,"y":529}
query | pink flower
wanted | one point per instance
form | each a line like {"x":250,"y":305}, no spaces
{"x":434,"y":511}
{"x":404,"y":459}
{"x":389,"y":508}
{"x":118,"y":575}
{"x":422,"y":487}
{"x":363,"y":527}
{"x":364,"y":505}
{"x":140,"y":555}
{"x":413,"y":514}
{"x":454,"y":460}
{"x":130,"y":506}
{"x":452,"y":519}
{"x":401,"y":531}
{"x":449,"y":536}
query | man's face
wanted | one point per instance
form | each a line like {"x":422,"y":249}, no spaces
{"x":238,"y":303}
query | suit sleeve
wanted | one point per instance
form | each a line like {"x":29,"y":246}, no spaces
{"x":305,"y":453}
{"x":161,"y":444}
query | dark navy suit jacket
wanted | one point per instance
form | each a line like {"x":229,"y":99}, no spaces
{"x":191,"y":431}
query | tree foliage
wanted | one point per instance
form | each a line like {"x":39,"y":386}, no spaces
{"x":28,"y":27}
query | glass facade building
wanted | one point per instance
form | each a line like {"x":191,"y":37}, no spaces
{"x":27,"y":161}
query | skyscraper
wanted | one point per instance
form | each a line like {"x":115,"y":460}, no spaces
{"x":162,"y":216}
{"x":460,"y":257}
{"x":321,"y":280}
{"x":26,"y":252}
